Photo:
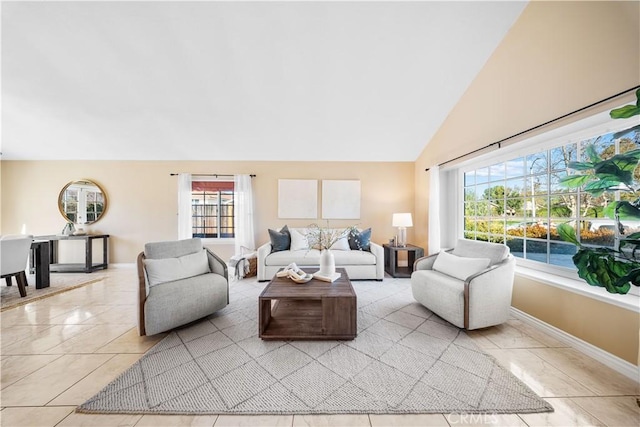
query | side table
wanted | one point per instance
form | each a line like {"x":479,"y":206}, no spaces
{"x":391,"y":259}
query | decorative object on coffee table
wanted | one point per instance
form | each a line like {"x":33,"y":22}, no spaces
{"x":319,"y":311}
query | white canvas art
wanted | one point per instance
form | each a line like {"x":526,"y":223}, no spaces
{"x":298,"y":198}
{"x":341,"y":199}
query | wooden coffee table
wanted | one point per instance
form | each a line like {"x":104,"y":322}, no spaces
{"x":315,"y":310}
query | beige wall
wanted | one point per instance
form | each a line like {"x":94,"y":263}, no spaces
{"x":142,"y":196}
{"x":557,"y":58}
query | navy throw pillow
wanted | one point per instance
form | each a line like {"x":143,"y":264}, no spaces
{"x":360,"y":240}
{"x":280,"y":240}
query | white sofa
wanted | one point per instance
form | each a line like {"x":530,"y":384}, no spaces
{"x":360,"y":265}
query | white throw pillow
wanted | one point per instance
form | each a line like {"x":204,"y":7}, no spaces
{"x":342,"y":244}
{"x":459,"y":267}
{"x":298,"y":240}
{"x":170,"y":269}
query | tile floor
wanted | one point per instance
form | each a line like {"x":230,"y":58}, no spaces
{"x":59,"y":351}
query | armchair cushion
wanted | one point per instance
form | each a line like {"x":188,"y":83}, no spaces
{"x":472,"y":248}
{"x":164,"y":270}
{"x":459,"y":267}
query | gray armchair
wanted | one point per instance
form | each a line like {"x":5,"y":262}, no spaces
{"x":179,"y":282}
{"x":477,"y":300}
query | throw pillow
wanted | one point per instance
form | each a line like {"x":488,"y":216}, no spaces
{"x":459,"y":267}
{"x":280,"y":240}
{"x":360,"y":240}
{"x":298,"y":240}
{"x":342,"y":244}
{"x":163,"y":270}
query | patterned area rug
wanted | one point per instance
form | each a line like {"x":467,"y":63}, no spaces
{"x":59,"y":282}
{"x":404,"y":360}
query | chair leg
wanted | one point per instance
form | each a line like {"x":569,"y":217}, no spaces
{"x":22,"y":281}
{"x":8,"y":280}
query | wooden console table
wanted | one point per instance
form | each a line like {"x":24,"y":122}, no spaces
{"x":88,"y":265}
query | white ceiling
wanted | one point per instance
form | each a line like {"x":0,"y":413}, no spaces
{"x":366,"y":81}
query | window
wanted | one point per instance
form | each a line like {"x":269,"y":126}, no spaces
{"x":212,"y":204}
{"x":518,"y":200}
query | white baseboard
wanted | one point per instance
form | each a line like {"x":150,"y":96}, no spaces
{"x":614,"y":362}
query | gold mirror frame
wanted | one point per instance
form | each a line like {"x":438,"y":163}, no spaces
{"x":82,"y":192}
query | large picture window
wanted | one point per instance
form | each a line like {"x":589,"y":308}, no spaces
{"x":520,"y":202}
{"x":212,"y":209}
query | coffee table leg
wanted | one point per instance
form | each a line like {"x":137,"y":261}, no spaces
{"x":264,"y":313}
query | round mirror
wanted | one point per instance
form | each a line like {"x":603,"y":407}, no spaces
{"x":82,"y":202}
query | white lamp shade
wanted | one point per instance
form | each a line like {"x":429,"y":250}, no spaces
{"x":402,"y":220}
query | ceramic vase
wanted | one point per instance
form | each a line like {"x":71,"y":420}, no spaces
{"x":327,"y":263}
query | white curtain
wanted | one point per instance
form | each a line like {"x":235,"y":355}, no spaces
{"x":184,"y":206}
{"x":243,"y":214}
{"x":434,"y":209}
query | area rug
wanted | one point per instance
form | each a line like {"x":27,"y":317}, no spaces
{"x":404,"y":360}
{"x":59,"y":283}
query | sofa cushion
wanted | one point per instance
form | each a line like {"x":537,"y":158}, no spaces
{"x":475,"y":249}
{"x":311,"y":257}
{"x":280,"y":240}
{"x":354,"y":258}
{"x":360,"y":240}
{"x":459,"y":267}
{"x":164,"y":270}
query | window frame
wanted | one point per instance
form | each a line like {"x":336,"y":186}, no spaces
{"x":574,"y":132}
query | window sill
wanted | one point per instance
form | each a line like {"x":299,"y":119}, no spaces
{"x":629,"y":301}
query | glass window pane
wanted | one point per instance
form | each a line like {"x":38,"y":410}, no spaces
{"x":482,"y":208}
{"x":536,"y":250}
{"x":515,"y":187}
{"x":537,"y":185}
{"x":469,"y":178}
{"x":470,"y":193}
{"x":561,"y":156}
{"x":537,"y":163}
{"x":598,"y":232}
{"x":481,"y":191}
{"x":496,"y":172}
{"x":470,"y":209}
{"x":516,"y":246}
{"x":561,"y":254}
{"x":515,"y":207}
{"x":482,"y":176}
{"x":470,"y":224}
{"x":563,"y":206}
{"x":515,"y":168}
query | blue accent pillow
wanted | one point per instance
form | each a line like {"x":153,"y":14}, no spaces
{"x":280,"y":240}
{"x":360,"y":240}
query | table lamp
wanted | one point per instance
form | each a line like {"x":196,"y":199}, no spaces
{"x":402,"y":221}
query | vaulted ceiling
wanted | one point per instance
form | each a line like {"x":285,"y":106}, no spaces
{"x":366,"y":81}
